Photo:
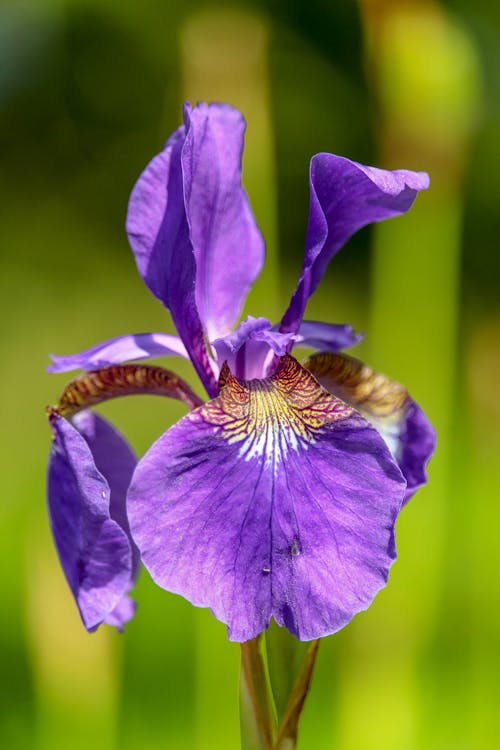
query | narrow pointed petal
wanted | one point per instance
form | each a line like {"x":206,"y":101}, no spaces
{"x":94,"y":550}
{"x":345,"y":196}
{"x":387,"y":405}
{"x":328,"y":337}
{"x":273,"y":500}
{"x":120,"y":349}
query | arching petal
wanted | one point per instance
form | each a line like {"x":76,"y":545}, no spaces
{"x":387,"y":405}
{"x":120,"y":349}
{"x":345,"y":196}
{"x":328,"y":337}
{"x":94,"y":549}
{"x":273,"y":500}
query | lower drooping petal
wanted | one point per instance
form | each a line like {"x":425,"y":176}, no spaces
{"x":387,"y":405}
{"x":116,"y":461}
{"x":120,"y":349}
{"x":94,"y":549}
{"x":275,"y":499}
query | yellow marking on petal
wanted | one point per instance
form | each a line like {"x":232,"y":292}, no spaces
{"x":97,"y":386}
{"x":273,"y":415}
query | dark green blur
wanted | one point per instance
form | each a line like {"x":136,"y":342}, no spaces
{"x":88,"y":93}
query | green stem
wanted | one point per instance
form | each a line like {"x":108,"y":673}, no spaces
{"x":288,"y":730}
{"x":258,"y":724}
{"x":257,"y":719}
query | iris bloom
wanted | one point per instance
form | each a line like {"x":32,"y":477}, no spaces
{"x":278,"y":496}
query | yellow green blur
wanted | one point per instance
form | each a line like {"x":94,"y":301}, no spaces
{"x":88,"y":93}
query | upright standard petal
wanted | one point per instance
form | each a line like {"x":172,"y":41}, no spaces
{"x":387,"y":405}
{"x":273,"y":500}
{"x":345,"y":196}
{"x":227,"y":244}
{"x":188,"y":218}
{"x":120,"y":349}
{"x":158,"y":232}
{"x":87,"y":517}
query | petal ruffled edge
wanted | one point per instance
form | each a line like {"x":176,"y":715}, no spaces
{"x":273,"y":500}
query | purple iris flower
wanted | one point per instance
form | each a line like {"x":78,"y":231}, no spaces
{"x":278,"y":496}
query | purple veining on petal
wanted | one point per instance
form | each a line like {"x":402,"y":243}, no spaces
{"x":345,"y":196}
{"x":120,"y":349}
{"x":227,"y":244}
{"x":273,"y":500}
{"x":327,"y":337}
{"x":94,"y":550}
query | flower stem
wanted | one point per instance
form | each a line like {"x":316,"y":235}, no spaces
{"x":259,"y":728}
{"x":257,"y":719}
{"x":288,"y":730}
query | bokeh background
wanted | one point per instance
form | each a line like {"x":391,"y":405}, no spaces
{"x":88,"y":93}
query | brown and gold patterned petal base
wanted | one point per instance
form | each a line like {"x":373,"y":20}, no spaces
{"x":98,"y":386}
{"x":370,"y":392}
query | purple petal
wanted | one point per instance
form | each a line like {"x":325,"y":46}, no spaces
{"x":273,"y":500}
{"x":122,"y":613}
{"x":418,"y":444}
{"x":252,"y":348}
{"x":189,"y":221}
{"x":94,"y":550}
{"x":158,"y":232}
{"x":146,"y":218}
{"x":345,"y":196}
{"x":116,"y":461}
{"x":328,"y":337}
{"x":387,"y":406}
{"x":227,"y":244}
{"x":120,"y":349}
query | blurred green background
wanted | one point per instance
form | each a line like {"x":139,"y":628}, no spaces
{"x":88,"y":93}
